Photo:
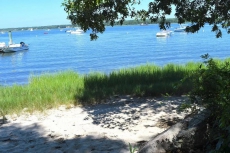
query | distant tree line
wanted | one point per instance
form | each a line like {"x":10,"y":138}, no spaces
{"x":126,"y":22}
{"x":135,"y":22}
{"x":36,"y":27}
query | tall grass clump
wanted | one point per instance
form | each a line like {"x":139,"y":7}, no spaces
{"x":45,"y":91}
{"x":144,"y":80}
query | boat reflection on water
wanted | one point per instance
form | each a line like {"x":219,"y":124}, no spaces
{"x":18,"y":55}
{"x":6,"y":54}
{"x":162,"y":40}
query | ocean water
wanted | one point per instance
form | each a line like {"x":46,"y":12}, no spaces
{"x":118,"y":47}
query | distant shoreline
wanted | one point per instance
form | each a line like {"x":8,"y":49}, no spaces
{"x":127,"y":22}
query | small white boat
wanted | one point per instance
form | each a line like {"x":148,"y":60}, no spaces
{"x":143,"y":24}
{"x":163,"y":33}
{"x":180,"y":29}
{"x":31,"y":29}
{"x":77,"y":31}
{"x":13,"y":47}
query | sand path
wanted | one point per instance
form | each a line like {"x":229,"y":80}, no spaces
{"x":102,"y":128}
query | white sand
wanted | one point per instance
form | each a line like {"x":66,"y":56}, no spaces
{"x":104,"y":128}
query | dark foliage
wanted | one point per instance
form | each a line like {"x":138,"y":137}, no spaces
{"x":212,"y":90}
{"x":95,"y":14}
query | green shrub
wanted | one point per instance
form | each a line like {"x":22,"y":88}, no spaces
{"x":211,"y":84}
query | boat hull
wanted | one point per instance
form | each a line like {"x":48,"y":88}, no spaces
{"x":76,"y":32}
{"x":12,"y":47}
{"x":163,"y":34}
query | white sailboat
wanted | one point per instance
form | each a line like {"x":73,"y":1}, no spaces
{"x":12,"y":47}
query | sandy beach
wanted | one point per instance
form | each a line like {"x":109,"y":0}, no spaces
{"x":102,"y":128}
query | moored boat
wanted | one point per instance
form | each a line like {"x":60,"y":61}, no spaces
{"x":164,"y":33}
{"x":12,"y":47}
{"x":15,"y":47}
{"x":180,"y":29}
{"x":77,"y":31}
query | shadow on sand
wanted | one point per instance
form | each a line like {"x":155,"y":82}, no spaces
{"x":126,"y":114}
{"x":17,"y":138}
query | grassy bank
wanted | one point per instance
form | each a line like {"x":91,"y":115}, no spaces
{"x":51,"y":90}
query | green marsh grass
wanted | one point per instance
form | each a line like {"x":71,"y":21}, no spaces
{"x":144,"y":80}
{"x":45,"y":91}
{"x":51,"y":90}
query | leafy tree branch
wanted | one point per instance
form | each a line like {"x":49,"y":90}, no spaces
{"x":94,"y":14}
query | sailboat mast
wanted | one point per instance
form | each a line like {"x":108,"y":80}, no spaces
{"x":10,"y":38}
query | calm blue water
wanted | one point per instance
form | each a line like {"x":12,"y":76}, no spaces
{"x":118,"y":47}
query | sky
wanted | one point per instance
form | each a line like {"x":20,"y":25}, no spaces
{"x":29,"y":13}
